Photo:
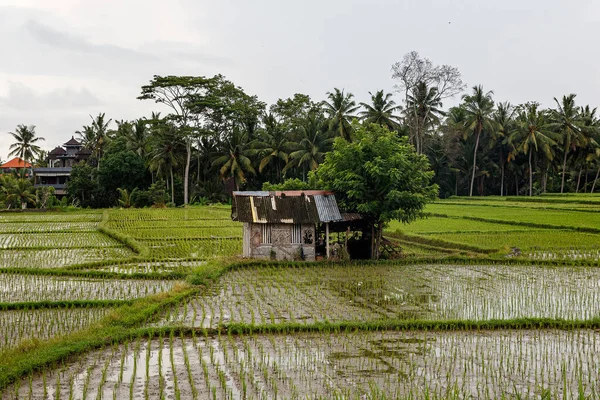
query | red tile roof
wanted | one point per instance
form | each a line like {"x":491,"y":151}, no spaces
{"x":16,"y":163}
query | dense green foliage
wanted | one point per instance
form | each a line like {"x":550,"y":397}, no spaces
{"x":211,"y":137}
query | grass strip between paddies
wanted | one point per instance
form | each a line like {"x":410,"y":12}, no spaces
{"x":440,"y":243}
{"x":89,"y":274}
{"x":526,"y":224}
{"x":33,"y":356}
{"x":137,"y":247}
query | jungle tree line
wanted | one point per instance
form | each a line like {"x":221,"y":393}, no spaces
{"x":212,"y":137}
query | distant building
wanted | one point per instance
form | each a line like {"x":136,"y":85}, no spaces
{"x":60,"y":162}
{"x":289,"y":224}
{"x":16,"y":164}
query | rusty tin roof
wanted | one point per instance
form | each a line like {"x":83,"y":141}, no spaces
{"x":289,"y":207}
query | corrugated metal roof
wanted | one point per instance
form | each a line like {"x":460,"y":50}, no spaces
{"x":327,"y":208}
{"x":283,"y":193}
{"x":297,"y":209}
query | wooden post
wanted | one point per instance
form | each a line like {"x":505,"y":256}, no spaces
{"x":327,"y":239}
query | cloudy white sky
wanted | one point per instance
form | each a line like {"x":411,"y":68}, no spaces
{"x":62,"y":60}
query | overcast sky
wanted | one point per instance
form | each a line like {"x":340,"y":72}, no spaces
{"x":62,"y":60}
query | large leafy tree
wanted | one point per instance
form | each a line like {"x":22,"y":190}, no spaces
{"x":25,"y":145}
{"x":381,"y":111}
{"x":567,"y":120}
{"x":379,"y":175}
{"x":479,"y":107}
{"x":340,"y":109}
{"x":533,"y":134}
{"x":177,"y":93}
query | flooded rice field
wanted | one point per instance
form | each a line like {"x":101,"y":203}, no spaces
{"x":368,"y":292}
{"x":357,"y":365}
{"x":57,"y":240}
{"x":151,"y":267}
{"x":31,"y":288}
{"x":18,"y":326}
{"x":58,"y":258}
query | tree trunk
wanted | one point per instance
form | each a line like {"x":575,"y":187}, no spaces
{"x":474,"y":162}
{"x":578,"y":180}
{"x":456,"y":185}
{"x":586,"y":180}
{"x":530,"y":174}
{"x":516,"y":184}
{"x":594,"y":184}
{"x":562,"y":183}
{"x":501,"y":176}
{"x":172,"y":186}
{"x":186,"y":174}
{"x":378,"y":240}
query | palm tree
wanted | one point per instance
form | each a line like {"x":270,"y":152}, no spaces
{"x":166,"y":152}
{"x":137,"y":137}
{"x":100,"y":127}
{"x":236,"y":162}
{"x":479,"y":107}
{"x":315,"y":141}
{"x":505,"y":123}
{"x":533,"y":133}
{"x":591,"y":129}
{"x":567,"y":121}
{"x":20,"y":191}
{"x":25,"y":145}
{"x":381,"y":110}
{"x":272,"y":145}
{"x":422,"y":111}
{"x":87,"y":137}
{"x":340,"y":109}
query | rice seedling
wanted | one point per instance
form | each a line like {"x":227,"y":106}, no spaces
{"x":57,"y":257}
{"x":443,"y":365}
{"x":24,"y":327}
{"x":35,"y":288}
{"x":373,"y":292}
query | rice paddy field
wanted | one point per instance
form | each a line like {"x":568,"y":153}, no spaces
{"x":495,"y":297}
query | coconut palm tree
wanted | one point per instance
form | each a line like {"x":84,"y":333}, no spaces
{"x":25,"y":145}
{"x":137,"y":137}
{"x":166,"y":152}
{"x":423,"y":109}
{"x":87,"y":137}
{"x":381,"y":110}
{"x":235,"y":163}
{"x":273,"y":145}
{"x":20,"y":191}
{"x":479,"y":107}
{"x":101,"y":134}
{"x":505,"y":123}
{"x":567,"y":121}
{"x":340,"y":109}
{"x":310,"y":150}
{"x":532,"y":134}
